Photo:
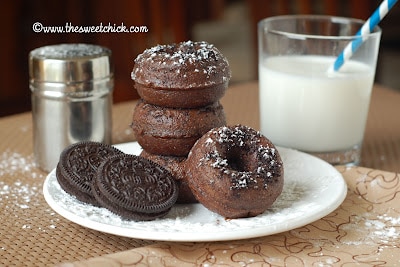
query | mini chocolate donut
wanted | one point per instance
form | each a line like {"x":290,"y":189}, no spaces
{"x":235,"y":171}
{"x":172,"y":131}
{"x":176,"y":166}
{"x":185,"y":75}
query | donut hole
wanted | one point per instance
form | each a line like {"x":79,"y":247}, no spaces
{"x":238,"y":159}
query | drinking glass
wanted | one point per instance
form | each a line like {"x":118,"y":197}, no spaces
{"x":303,"y":104}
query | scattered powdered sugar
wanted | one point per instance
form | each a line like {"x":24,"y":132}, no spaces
{"x":13,"y":162}
{"x":384,"y":227}
{"x":389,"y":219}
{"x":18,"y":194}
{"x":15,"y":193}
{"x":369,"y":228}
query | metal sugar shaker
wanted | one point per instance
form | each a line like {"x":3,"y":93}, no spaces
{"x":71,"y":88}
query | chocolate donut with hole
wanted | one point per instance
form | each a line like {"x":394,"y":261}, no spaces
{"x":235,"y":171}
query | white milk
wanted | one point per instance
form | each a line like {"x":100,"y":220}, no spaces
{"x":303,"y":107}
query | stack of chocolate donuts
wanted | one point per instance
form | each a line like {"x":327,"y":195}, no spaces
{"x":189,"y":153}
{"x":180,"y":86}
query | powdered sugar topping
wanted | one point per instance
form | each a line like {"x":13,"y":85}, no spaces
{"x":194,"y":62}
{"x":183,"y":53}
{"x":240,"y":153}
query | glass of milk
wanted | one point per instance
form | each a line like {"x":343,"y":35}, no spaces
{"x":305,"y":106}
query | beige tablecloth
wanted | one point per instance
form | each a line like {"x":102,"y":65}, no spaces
{"x":364,"y":229}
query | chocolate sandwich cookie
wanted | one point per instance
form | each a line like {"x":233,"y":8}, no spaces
{"x":78,"y":165}
{"x":134,"y":188}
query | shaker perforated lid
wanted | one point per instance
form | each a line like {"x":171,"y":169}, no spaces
{"x":70,"y":63}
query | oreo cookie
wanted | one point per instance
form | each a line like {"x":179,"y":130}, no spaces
{"x":134,"y":188}
{"x":78,"y":165}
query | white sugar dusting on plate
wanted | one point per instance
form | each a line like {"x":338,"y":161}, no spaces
{"x":312,"y":190}
{"x":186,"y":217}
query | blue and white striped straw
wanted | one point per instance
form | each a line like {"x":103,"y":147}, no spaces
{"x":366,"y":29}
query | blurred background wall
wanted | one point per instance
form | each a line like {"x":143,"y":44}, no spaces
{"x":228,"y":24}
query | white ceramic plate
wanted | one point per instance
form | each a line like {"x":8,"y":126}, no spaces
{"x":312,"y":190}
